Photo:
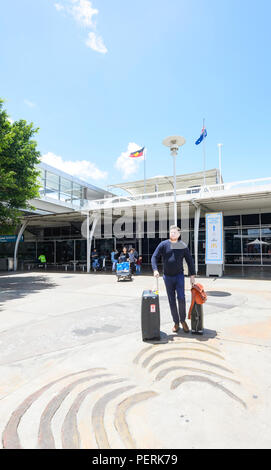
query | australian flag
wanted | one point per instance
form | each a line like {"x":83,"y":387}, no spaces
{"x":202,"y":136}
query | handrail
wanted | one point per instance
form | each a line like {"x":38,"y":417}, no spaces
{"x":189,"y":190}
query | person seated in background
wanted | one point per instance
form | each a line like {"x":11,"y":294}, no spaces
{"x":95,"y":259}
{"x":42,"y":260}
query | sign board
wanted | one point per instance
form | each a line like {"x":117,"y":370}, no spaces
{"x":214,"y":238}
{"x":10,"y":238}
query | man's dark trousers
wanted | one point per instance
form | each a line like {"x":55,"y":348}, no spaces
{"x":176,"y":284}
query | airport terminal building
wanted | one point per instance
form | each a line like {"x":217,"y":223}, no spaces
{"x":54,"y":228}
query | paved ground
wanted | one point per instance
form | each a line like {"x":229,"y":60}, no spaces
{"x":75,"y":373}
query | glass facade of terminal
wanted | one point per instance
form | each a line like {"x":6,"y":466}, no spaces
{"x":60,"y":188}
{"x":247,"y":242}
{"x":241,"y":236}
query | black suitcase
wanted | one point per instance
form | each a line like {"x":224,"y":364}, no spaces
{"x":150,"y":315}
{"x":197,"y":319}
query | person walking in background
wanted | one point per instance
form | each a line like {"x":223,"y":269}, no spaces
{"x":124,"y":256}
{"x":132,"y":259}
{"x":135,"y":253}
{"x":114,"y":259}
{"x":138,"y":265}
{"x":173,"y":253}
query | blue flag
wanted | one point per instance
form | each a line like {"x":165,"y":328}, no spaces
{"x":202,"y":136}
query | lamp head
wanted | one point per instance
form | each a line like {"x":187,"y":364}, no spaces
{"x":174,"y":142}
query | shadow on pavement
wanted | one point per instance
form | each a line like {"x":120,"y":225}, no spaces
{"x":165,"y":338}
{"x":16,"y":287}
{"x":216,"y":293}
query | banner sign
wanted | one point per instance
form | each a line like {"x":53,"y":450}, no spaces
{"x":214,"y":238}
{"x":10,"y":238}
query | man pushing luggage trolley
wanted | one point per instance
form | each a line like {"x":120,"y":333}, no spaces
{"x":173,"y":252}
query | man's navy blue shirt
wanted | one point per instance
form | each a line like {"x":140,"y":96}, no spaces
{"x":173,"y":255}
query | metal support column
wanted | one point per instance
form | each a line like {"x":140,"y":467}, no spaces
{"x":90,"y":235}
{"x":88,"y":245}
{"x":196,"y":237}
{"x":21,"y":231}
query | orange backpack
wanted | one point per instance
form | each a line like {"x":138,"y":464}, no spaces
{"x":199,"y":296}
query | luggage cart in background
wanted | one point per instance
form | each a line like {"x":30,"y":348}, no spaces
{"x":123,"y":271}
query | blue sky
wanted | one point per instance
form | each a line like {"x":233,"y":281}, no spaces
{"x":102,"y":77}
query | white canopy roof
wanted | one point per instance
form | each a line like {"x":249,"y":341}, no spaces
{"x":165,"y":183}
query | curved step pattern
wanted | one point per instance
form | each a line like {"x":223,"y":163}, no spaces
{"x":167,"y":361}
{"x":101,"y":386}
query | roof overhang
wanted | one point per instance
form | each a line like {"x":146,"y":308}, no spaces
{"x":166,"y":183}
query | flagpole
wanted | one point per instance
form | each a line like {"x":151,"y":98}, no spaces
{"x":204,"y":156}
{"x":145,"y":170}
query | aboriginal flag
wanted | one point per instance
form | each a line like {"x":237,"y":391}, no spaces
{"x":138,"y":153}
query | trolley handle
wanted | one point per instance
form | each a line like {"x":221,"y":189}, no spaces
{"x":156,"y":286}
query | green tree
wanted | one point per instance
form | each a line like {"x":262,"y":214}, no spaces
{"x":18,"y":171}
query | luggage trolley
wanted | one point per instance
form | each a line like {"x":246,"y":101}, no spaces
{"x":123,"y":271}
{"x":150,"y":314}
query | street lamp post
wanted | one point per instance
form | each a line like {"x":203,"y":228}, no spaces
{"x":174,"y":143}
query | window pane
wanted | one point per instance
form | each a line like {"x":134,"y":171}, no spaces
{"x":153,"y":243}
{"x":65,"y":231}
{"x":77,"y":195}
{"x":233,"y":259}
{"x":7,"y":249}
{"x":65,"y":185}
{"x":202,"y":222}
{"x":27,"y":251}
{"x":251,"y":241}
{"x":77,"y":191}
{"x":41,"y":181}
{"x":266,"y":247}
{"x":266,"y":218}
{"x":201,"y":244}
{"x":201,"y":259}
{"x":231,"y":220}
{"x":64,"y":251}
{"x":52,"y":185}
{"x":232,"y":241}
{"x":250,"y":219}
{"x":252,"y":259}
{"x":52,"y":180}
{"x":47,"y":249}
{"x":81,"y":250}
{"x":65,"y":190}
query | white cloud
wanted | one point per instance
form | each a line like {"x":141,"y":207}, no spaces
{"x":10,"y":120}
{"x":83,"y":12}
{"x":30,"y":104}
{"x":96,"y":43}
{"x":59,"y":7}
{"x":128,"y":165}
{"x":81,"y":168}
